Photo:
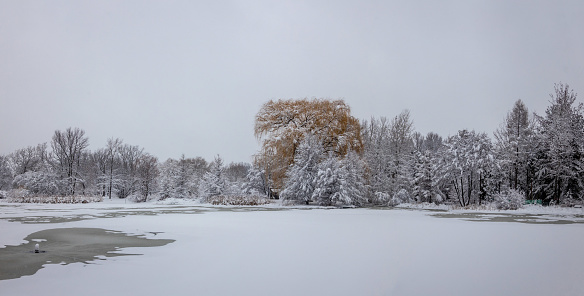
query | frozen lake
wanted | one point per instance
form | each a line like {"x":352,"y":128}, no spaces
{"x":207,"y":250}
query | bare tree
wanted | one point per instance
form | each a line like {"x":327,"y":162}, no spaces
{"x":129,"y":158}
{"x":111,"y":154}
{"x":68,"y":147}
{"x":147,"y":172}
{"x":6,"y":175}
{"x":29,"y":159}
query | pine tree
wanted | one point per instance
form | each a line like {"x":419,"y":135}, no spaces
{"x":377,"y":158}
{"x":515,"y":149}
{"x":327,"y":185}
{"x":213,"y":182}
{"x":6,"y":174}
{"x":167,"y":179}
{"x":301,"y":176}
{"x":255,"y":182}
{"x":561,"y":143}
{"x":352,"y":189}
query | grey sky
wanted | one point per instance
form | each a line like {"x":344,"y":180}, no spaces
{"x":188,"y":77}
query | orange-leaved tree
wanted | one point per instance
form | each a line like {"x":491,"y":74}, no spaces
{"x":281,"y":126}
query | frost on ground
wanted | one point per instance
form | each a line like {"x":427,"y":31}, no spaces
{"x":275,"y":251}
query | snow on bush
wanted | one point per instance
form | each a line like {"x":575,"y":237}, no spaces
{"x":238,"y":200}
{"x":509,"y":200}
{"x":437,"y":199}
{"x":571,"y":202}
{"x":3,"y":194}
{"x":400,"y":197}
{"x":382,"y":198}
{"x":55,"y":199}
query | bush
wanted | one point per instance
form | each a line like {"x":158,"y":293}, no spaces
{"x":382,"y":198}
{"x":509,"y":200}
{"x":24,"y":196}
{"x":238,"y":200}
{"x":571,"y":202}
{"x":400,"y":197}
{"x":438,"y":199}
{"x":3,"y":194}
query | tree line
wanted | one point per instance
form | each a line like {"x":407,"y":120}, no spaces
{"x":315,"y":151}
{"x":66,"y":167}
{"x":530,"y":156}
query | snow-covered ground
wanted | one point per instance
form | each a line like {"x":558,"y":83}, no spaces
{"x":296,"y":251}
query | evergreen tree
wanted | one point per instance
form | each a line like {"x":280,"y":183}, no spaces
{"x":561,"y":136}
{"x":213,"y":182}
{"x":375,"y":134}
{"x":300,"y":178}
{"x":327,"y":184}
{"x":515,"y":149}
{"x":6,"y":174}
{"x":167,"y":179}
{"x":255,"y":182}
{"x":352,"y":189}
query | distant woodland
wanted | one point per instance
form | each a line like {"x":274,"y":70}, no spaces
{"x":313,"y":151}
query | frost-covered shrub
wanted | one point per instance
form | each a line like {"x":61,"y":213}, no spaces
{"x":3,"y":194}
{"x":571,"y":202}
{"x":437,"y":199}
{"x":509,"y":200}
{"x":381,"y":198}
{"x":23,"y":197}
{"x":238,"y":200}
{"x":18,"y":194}
{"x":400,"y":197}
{"x":137,"y":197}
{"x":41,"y":183}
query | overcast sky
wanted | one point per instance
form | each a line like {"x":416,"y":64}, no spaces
{"x":188,"y":77}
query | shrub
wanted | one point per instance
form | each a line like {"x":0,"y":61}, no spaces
{"x":571,"y":202}
{"x":509,"y":200}
{"x":438,"y":199}
{"x":382,"y":198}
{"x":238,"y":200}
{"x":400,"y":197}
{"x":24,"y":196}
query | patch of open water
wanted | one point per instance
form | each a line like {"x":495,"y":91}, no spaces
{"x":68,"y":245}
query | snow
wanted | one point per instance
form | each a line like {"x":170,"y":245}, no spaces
{"x":306,"y":251}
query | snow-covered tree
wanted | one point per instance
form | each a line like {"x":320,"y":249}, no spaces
{"x":147,"y":173}
{"x":256,"y":182}
{"x":129,"y":157}
{"x":516,"y":148}
{"x":422,"y":184}
{"x":353,"y":190}
{"x":168,"y":174}
{"x":468,"y":164}
{"x":427,"y":182}
{"x":181,"y":178}
{"x":68,"y":147}
{"x":6,"y":174}
{"x":213,"y":182}
{"x":29,"y":159}
{"x":42,"y":183}
{"x":561,"y":147}
{"x":400,"y":151}
{"x":282,"y":124}
{"x":112,"y":174}
{"x":388,"y":150}
{"x":375,"y":135}
{"x":301,"y":176}
{"x":327,"y":183}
